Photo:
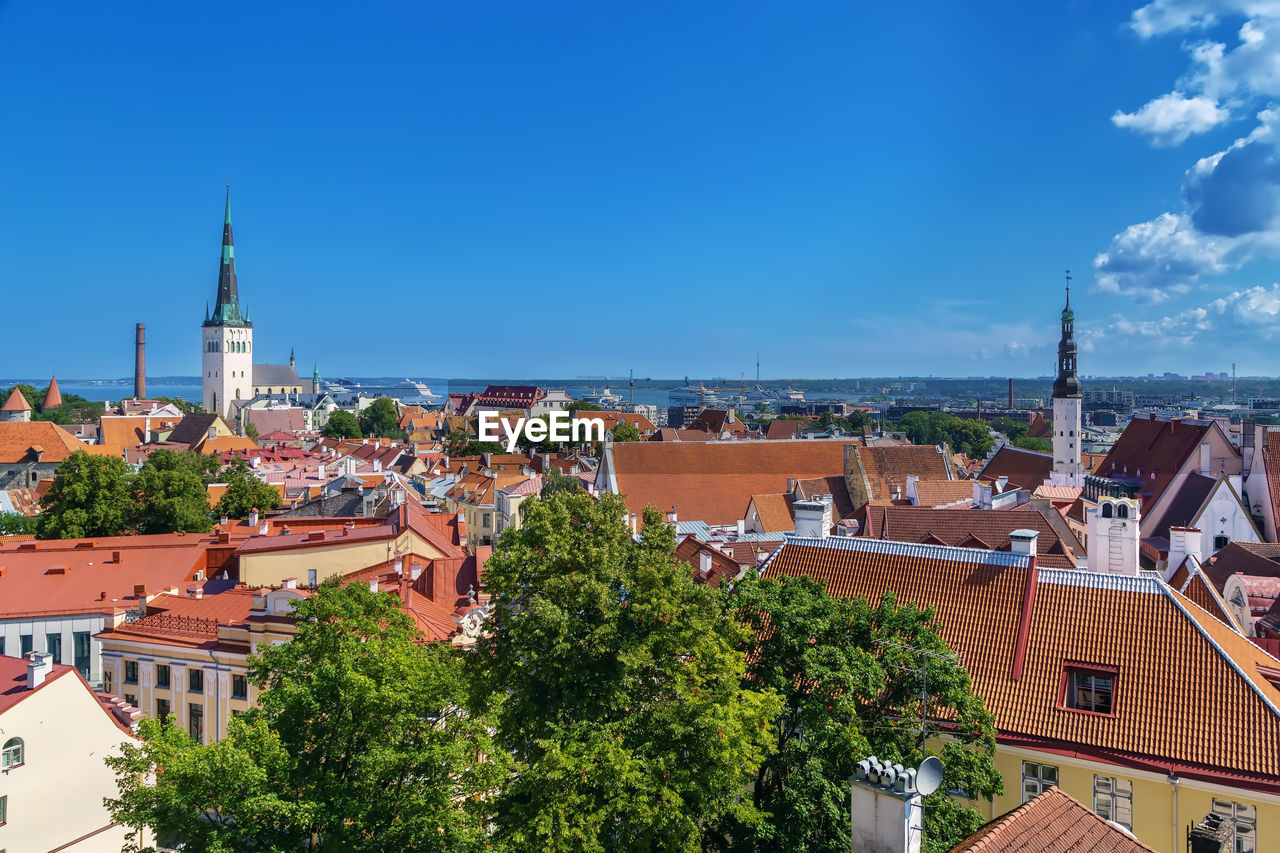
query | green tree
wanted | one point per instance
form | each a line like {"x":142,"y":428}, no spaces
{"x":625,"y":431}
{"x":380,"y":419}
{"x":479,"y":448}
{"x":970,"y":437}
{"x":358,"y":743}
{"x":341,"y":424}
{"x":1014,"y":430}
{"x":616,"y":686}
{"x":554,"y":482}
{"x":581,"y":406}
{"x":169,"y":493}
{"x":850,"y":678}
{"x":1028,"y":442}
{"x":89,"y":496}
{"x":13,"y":523}
{"x":244,"y":492}
{"x":251,"y":430}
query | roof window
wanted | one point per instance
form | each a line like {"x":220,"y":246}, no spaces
{"x":1089,"y":688}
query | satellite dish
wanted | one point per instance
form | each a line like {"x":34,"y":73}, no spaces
{"x":929,"y":775}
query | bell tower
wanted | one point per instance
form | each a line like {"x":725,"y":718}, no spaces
{"x":1067,"y":468}
{"x":227,"y":336}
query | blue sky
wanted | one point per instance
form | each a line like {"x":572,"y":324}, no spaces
{"x":496,"y":189}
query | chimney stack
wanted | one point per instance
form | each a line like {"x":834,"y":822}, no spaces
{"x":38,"y":668}
{"x":886,"y":809}
{"x":1010,"y":392}
{"x":140,"y":362}
{"x":1024,"y":542}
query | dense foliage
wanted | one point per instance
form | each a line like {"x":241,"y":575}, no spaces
{"x":625,"y":431}
{"x":380,"y":420}
{"x":358,"y":743}
{"x":1027,"y":442}
{"x":245,"y":492}
{"x":341,"y":424}
{"x":972,"y":438}
{"x":616,"y":685}
{"x":851,"y":677}
{"x":89,"y":496}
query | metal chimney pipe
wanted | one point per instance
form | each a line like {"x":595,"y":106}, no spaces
{"x":140,"y":363}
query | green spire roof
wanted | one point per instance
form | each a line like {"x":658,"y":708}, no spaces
{"x":226,"y":311}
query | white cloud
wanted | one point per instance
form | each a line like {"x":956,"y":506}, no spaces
{"x":1167,"y":16}
{"x":1154,"y":260}
{"x":1170,"y":119}
{"x":1241,"y":317}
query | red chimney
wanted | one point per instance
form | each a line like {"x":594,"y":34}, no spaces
{"x":140,"y":362}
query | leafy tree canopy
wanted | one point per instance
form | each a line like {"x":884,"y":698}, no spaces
{"x":1029,"y":443}
{"x":89,"y":496}
{"x":358,"y":743}
{"x":616,"y":686}
{"x":380,"y":419}
{"x":169,"y":494}
{"x":851,"y":677}
{"x":244,"y":492}
{"x":581,"y":406}
{"x":1010,"y":427}
{"x":341,"y":424}
{"x":12,"y":523}
{"x":972,"y":438}
{"x":625,"y":431}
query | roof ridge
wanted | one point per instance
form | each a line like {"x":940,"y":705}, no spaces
{"x":1172,"y":596}
{"x":953,"y":553}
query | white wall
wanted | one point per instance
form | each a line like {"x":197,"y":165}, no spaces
{"x":56,"y":795}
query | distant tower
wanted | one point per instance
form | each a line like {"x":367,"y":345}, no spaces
{"x":227,"y":336}
{"x":1067,"y":468}
{"x":315,"y":378}
{"x":52,"y":397}
{"x":16,"y":408}
{"x":140,"y":362}
{"x":291,"y":356}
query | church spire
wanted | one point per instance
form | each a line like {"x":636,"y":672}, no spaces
{"x":226,"y":311}
{"x":1067,"y":384}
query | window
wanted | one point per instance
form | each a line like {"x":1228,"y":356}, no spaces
{"x":1244,"y":824}
{"x":239,"y":687}
{"x":12,"y":755}
{"x":162,"y":709}
{"x":4,"y":812}
{"x":162,"y":675}
{"x":80,"y":643}
{"x":195,"y":722}
{"x":1220,"y":542}
{"x":1037,"y":778}
{"x":131,"y":672}
{"x":26,"y":642}
{"x":1113,"y":800}
{"x":53,"y":645}
{"x":1089,"y":689}
{"x":195,"y":680}
{"x":132,"y":699}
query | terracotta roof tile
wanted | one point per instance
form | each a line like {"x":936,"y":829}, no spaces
{"x":1198,"y":702}
{"x":967,"y":528}
{"x":886,"y":468}
{"x":1052,"y":822}
{"x":1158,"y":447}
{"x":1271,"y":462}
{"x":775,"y":513}
{"x":16,"y":402}
{"x":714,"y":482}
{"x":779,"y":430}
{"x":22,"y":441}
{"x":944,"y":493}
{"x":1025,"y":469}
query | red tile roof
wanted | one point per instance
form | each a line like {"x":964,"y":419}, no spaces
{"x":714,"y":482}
{"x":775,"y":513}
{"x":690,"y":552}
{"x":1190,"y":580}
{"x":1052,"y":822}
{"x":886,"y":468}
{"x":1271,"y":463}
{"x":1151,"y":451}
{"x":16,"y":402}
{"x":781,"y":430}
{"x":82,"y":575}
{"x":22,"y":441}
{"x":52,"y":396}
{"x":1025,"y":469}
{"x":1016,"y":629}
{"x":973,"y":528}
{"x":944,"y":493}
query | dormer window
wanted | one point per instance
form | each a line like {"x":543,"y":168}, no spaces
{"x":1089,"y":687}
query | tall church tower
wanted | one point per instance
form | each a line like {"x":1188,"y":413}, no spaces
{"x":1067,"y":468}
{"x":227,"y":336}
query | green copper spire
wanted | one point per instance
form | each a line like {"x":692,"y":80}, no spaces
{"x":226,"y":311}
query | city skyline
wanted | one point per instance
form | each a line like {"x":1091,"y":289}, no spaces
{"x":771,"y":181}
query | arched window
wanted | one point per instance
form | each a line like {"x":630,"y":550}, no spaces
{"x":1106,"y":510}
{"x":12,"y":755}
{"x":1122,"y":511}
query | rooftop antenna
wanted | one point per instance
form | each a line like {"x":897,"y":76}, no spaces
{"x":757,"y":368}
{"x":923,"y":672}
